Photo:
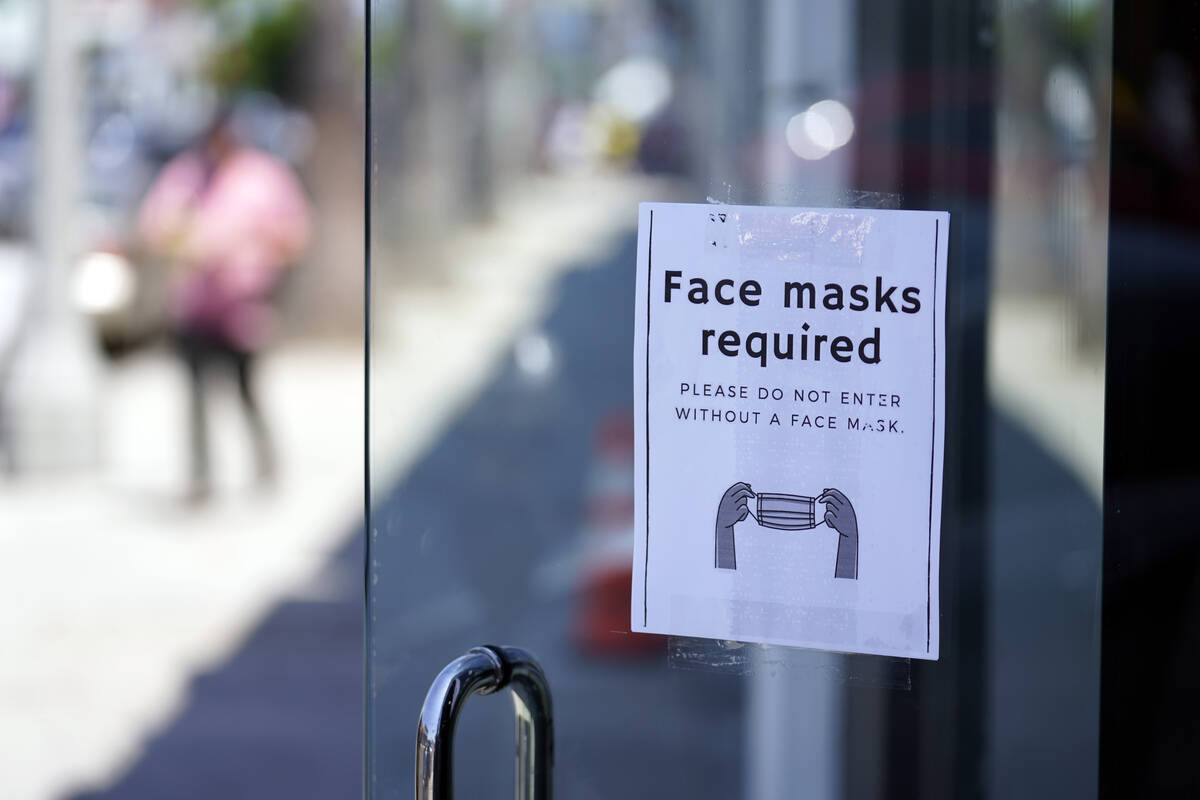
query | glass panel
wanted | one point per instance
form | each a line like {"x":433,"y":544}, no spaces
{"x":510,"y":145}
{"x":1045,"y":356}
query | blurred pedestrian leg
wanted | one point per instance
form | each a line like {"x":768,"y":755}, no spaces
{"x":210,"y":362}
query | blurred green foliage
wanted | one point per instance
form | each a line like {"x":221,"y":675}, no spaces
{"x":262,"y":45}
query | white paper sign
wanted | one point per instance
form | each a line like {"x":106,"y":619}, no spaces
{"x":789,"y":399}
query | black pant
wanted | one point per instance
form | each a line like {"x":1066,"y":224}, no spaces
{"x":204,"y":356}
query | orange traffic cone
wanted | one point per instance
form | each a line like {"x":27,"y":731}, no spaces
{"x":605,"y":578}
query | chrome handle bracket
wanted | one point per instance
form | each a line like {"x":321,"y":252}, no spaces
{"x":486,"y":670}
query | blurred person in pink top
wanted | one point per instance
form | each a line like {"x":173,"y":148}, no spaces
{"x":228,"y":220}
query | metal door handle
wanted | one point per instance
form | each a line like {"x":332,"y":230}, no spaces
{"x":484,"y":670}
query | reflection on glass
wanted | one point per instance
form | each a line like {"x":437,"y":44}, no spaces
{"x":510,"y":147}
{"x":1046,"y":379}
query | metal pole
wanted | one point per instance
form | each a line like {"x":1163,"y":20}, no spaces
{"x":794,"y":716}
{"x":57,"y":148}
{"x":55,"y":375}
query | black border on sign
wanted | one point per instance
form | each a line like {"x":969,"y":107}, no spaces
{"x":932,"y":451}
{"x":646,"y":410}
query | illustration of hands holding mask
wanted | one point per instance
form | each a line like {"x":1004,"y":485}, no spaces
{"x":788,"y":512}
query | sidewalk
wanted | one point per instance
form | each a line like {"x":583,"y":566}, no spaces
{"x":117,"y":595}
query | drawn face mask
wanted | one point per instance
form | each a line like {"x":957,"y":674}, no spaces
{"x":786,"y":512}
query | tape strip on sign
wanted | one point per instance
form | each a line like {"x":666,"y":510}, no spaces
{"x":789,"y":398}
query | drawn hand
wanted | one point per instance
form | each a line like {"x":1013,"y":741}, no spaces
{"x":733,"y":508}
{"x":734,"y":505}
{"x":839,"y":515}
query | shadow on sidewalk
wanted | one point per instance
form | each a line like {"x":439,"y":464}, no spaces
{"x":281,"y":718}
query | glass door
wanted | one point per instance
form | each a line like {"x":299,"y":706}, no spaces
{"x":509,"y":146}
